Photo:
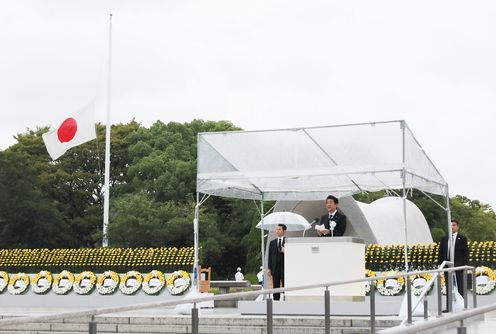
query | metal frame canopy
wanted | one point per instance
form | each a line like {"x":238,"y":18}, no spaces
{"x":310,"y":163}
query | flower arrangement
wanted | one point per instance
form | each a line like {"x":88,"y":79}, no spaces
{"x":132,"y":288}
{"x":485,"y":280}
{"x":419,"y":282}
{"x":18,"y":283}
{"x":153,"y":282}
{"x":392,"y":257}
{"x":63,"y":282}
{"x":4,"y":280}
{"x":178,"y":282}
{"x":390,"y":286}
{"x":167,"y":259}
{"x":443,"y":284}
{"x":85,"y":283}
{"x":482,"y":253}
{"x":368,"y":273}
{"x":107,"y":282}
{"x":41,"y":282}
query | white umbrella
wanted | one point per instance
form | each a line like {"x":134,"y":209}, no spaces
{"x":293,"y":221}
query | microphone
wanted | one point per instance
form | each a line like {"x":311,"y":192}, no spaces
{"x":316,"y":220}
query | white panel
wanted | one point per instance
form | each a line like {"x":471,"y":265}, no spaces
{"x":318,"y":261}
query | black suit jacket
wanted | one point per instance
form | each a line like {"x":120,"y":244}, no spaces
{"x":461,"y":250}
{"x":340,"y":220}
{"x":276,"y":258}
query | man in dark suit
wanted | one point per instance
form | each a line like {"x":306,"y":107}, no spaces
{"x":460,"y":254}
{"x":334,"y":222}
{"x":276,"y":259}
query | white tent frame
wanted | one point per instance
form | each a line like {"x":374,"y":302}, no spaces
{"x":220,"y":182}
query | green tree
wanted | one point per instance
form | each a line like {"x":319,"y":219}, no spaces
{"x":27,"y":217}
{"x":162,"y":174}
{"x":477,"y":220}
{"x":73,"y":183}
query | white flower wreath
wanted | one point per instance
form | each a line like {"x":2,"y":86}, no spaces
{"x":41,"y":282}
{"x":84,"y":283}
{"x":153,"y":282}
{"x":368,"y":273}
{"x":390,"y":286}
{"x":178,"y":282}
{"x":63,"y":282}
{"x":107,"y":282}
{"x":18,"y":283}
{"x":419,"y":282}
{"x":484,"y":280}
{"x":130,"y":289}
{"x":4,"y":280}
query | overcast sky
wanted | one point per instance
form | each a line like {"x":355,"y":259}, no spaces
{"x":264,"y":64}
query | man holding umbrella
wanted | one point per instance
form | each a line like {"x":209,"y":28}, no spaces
{"x":276,"y":259}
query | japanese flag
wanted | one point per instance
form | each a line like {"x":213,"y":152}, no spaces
{"x":73,"y":131}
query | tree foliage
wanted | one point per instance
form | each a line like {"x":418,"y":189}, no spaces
{"x":153,"y":196}
{"x":153,"y":189}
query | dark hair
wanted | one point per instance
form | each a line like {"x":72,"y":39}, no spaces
{"x":455,"y":221}
{"x":333,"y":198}
{"x":284,"y":227}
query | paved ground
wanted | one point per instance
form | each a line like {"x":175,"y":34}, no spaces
{"x":488,"y":326}
{"x":482,"y":327}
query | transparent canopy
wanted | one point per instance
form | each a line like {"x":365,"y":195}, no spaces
{"x":311,"y":163}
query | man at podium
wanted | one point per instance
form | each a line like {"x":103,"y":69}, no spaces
{"x":333,"y":223}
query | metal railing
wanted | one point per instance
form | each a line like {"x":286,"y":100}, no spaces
{"x":269,"y":303}
{"x":420,"y":326}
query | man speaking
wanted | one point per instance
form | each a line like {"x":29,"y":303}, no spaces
{"x":333,"y":223}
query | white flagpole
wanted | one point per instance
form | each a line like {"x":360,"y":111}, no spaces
{"x":107,"y":146}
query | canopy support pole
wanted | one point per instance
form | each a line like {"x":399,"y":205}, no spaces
{"x":448,"y":215}
{"x":262,"y":231}
{"x":405,"y":222}
{"x":196,"y":236}
{"x":195,"y":240}
{"x":403,"y":176}
{"x":435,"y":202}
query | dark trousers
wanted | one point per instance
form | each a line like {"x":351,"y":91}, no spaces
{"x":459,"y":283}
{"x":278,"y":282}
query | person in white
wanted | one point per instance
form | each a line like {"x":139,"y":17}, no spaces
{"x":260,"y":276}
{"x":239,"y":275}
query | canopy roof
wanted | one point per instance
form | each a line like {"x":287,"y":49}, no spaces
{"x":310,"y":163}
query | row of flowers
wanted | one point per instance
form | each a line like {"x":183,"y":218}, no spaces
{"x":424,"y":256}
{"x":86,"y":282}
{"x":485,"y":282}
{"x":96,"y":259}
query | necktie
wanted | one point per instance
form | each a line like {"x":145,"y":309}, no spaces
{"x":279,"y":244}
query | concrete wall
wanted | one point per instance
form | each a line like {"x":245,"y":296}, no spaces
{"x":378,"y":222}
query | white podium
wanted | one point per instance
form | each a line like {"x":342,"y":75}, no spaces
{"x":325,"y":259}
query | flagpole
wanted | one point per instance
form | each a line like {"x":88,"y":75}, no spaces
{"x":107,"y":146}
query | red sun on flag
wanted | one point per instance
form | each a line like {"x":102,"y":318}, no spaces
{"x":75,"y":130}
{"x":67,"y":130}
